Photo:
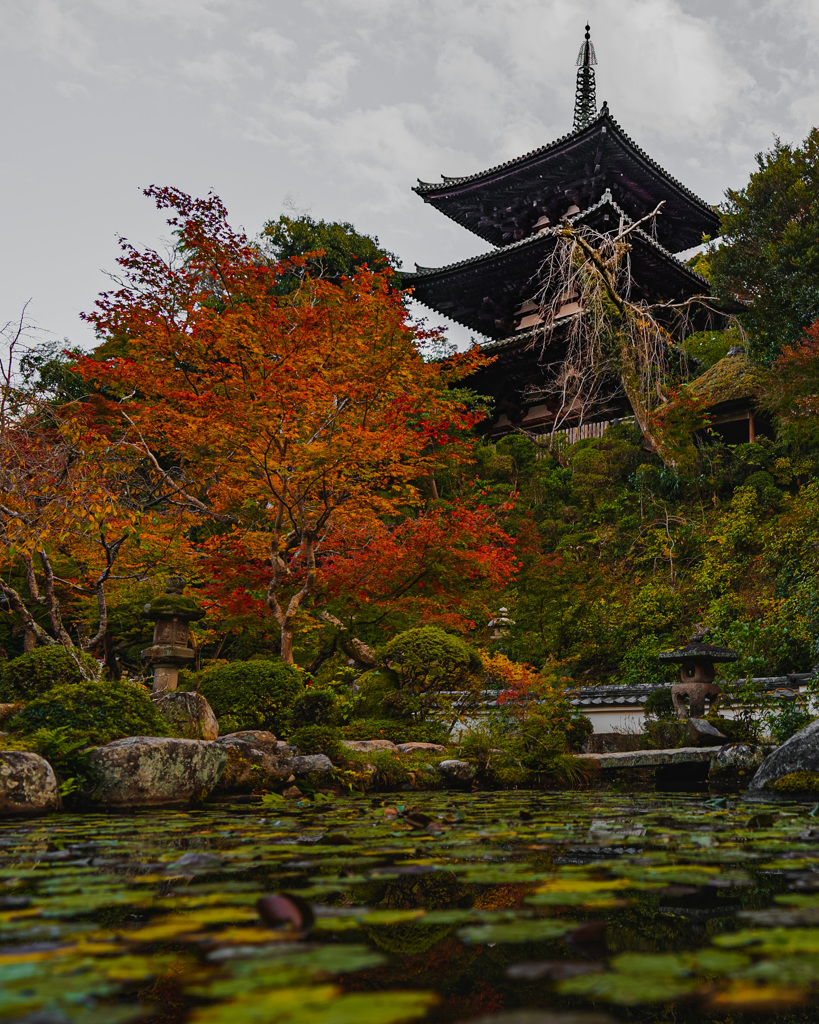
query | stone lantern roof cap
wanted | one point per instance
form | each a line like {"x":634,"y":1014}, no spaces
{"x":698,"y":651}
{"x":173,"y":604}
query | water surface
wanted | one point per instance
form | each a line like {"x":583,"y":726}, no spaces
{"x":435,"y":907}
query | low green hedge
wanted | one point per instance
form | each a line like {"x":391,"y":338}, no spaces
{"x":41,"y":670}
{"x":97,"y":712}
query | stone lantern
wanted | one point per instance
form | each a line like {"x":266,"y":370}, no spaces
{"x":696,"y":661}
{"x":501,"y":624}
{"x":171,"y":612}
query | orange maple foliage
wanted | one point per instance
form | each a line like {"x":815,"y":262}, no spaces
{"x":296,"y":422}
{"x":70,"y":526}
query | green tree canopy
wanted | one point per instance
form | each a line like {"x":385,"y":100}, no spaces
{"x":342,"y":249}
{"x":770,"y":252}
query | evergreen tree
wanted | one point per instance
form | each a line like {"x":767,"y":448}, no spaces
{"x":770,"y":252}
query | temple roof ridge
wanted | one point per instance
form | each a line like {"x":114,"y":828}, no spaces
{"x":603,"y":115}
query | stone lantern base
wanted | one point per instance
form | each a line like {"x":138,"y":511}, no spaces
{"x":697,"y":693}
{"x":166,"y":661}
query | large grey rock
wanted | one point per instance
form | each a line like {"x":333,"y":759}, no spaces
{"x":456,"y":771}
{"x":792,"y":770}
{"x":367,"y":746}
{"x":734,"y":766}
{"x":307,"y":763}
{"x":255,"y":762}
{"x":155,"y":771}
{"x":702,"y":734}
{"x":27,"y":784}
{"x":414,"y":748}
{"x":260,"y":738}
{"x":189,"y":714}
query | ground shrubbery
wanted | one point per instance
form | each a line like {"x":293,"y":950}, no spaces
{"x":659,"y":706}
{"x":252,"y":695}
{"x":530,"y":737}
{"x":319,"y":739}
{"x":39,"y":671}
{"x":396,"y":731}
{"x":96,"y":712}
{"x":315,"y":707}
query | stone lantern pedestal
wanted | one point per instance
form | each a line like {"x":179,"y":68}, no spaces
{"x":697,"y":672}
{"x":172,"y":612}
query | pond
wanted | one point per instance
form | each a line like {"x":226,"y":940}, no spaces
{"x":440,"y":907}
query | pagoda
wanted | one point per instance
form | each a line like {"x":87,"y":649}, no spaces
{"x":595,"y":175}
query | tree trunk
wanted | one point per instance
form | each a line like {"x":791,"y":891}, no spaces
{"x":287,"y":640}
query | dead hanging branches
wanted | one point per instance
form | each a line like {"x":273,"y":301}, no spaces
{"x":610,"y":339}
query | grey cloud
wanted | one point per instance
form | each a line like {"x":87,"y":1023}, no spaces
{"x":346,"y":102}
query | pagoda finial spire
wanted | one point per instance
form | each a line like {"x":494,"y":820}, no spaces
{"x":585,"y":97}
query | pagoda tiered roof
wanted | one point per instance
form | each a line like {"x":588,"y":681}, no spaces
{"x":484,"y":292}
{"x":504,"y":203}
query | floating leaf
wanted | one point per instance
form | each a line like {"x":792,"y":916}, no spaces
{"x":536,"y":930}
{"x":743,"y":995}
{"x":320,"y":1005}
{"x":773,"y":940}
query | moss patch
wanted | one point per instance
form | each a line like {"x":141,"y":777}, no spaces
{"x":177,"y":606}
{"x":731,"y":378}
{"x":797,"y":782}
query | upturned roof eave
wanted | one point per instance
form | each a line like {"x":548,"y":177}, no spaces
{"x":451,"y":187}
{"x":501,"y":252}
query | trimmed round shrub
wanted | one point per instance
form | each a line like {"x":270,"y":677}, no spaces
{"x":314,"y":707}
{"x":318,"y":739}
{"x":97,"y":711}
{"x":40,"y":670}
{"x":252,"y":694}
{"x":427,"y":674}
{"x":427,"y":657}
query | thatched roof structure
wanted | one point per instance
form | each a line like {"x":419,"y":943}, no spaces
{"x":733,"y":378}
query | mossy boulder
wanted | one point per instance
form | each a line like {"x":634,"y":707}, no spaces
{"x":98,"y":712}
{"x":27,"y":784}
{"x":733,"y":767}
{"x":188,"y":715}
{"x":39,"y":671}
{"x":153,"y":771}
{"x":252,"y":694}
{"x":792,"y":770}
{"x":255,"y":762}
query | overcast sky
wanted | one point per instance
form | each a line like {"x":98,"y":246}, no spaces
{"x":335,"y":107}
